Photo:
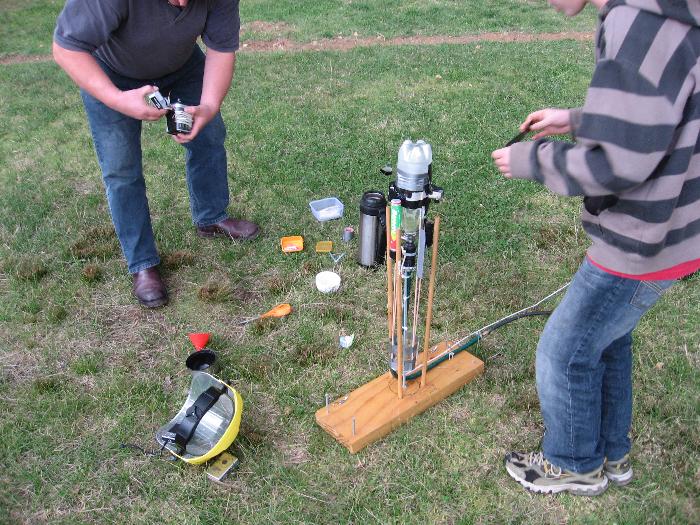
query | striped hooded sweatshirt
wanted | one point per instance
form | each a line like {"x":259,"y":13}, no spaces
{"x":636,"y":158}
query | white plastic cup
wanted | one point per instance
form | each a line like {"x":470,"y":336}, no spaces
{"x":327,"y":282}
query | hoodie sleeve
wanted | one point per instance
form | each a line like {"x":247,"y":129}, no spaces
{"x":625,"y":128}
{"x":575,"y":116}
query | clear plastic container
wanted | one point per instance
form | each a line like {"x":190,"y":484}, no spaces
{"x":327,"y":209}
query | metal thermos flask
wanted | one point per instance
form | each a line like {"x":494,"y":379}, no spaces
{"x":372,"y":229}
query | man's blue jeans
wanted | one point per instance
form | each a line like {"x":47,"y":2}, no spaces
{"x":584,"y":368}
{"x":117,"y":140}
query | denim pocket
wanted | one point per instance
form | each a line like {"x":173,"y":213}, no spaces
{"x":648,"y":292}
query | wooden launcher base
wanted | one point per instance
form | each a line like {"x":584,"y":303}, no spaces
{"x":377,"y":410}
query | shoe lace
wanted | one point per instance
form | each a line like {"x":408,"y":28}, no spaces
{"x":552,"y":470}
{"x":537,"y":458}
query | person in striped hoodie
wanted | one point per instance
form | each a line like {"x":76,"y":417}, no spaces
{"x":636,"y":162}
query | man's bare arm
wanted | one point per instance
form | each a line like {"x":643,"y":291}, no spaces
{"x":88,"y":75}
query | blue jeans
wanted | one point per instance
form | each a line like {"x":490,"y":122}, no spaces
{"x":117,"y":140}
{"x":584,"y":367}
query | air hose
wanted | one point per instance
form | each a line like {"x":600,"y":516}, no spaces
{"x":477,"y":336}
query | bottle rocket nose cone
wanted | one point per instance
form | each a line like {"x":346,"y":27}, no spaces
{"x":415,"y":157}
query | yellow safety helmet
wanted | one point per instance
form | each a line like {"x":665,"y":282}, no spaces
{"x":207,"y":423}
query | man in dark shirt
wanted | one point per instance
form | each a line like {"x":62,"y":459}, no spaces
{"x":118,"y":52}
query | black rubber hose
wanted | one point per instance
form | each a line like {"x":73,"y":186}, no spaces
{"x":515,"y":317}
{"x":477,"y":338}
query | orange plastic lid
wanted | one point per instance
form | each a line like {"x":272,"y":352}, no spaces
{"x":294,"y":243}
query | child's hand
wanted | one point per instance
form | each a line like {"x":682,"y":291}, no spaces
{"x":547,"y":122}
{"x":501,"y":157}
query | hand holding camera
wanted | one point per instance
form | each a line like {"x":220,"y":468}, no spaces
{"x":178,"y":121}
{"x":130,"y":102}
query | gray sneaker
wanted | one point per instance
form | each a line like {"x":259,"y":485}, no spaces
{"x":620,"y":471}
{"x":537,"y":474}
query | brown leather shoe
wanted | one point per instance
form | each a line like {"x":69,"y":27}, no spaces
{"x":149,"y":288}
{"x":232,"y":228}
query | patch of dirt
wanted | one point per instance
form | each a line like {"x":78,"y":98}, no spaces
{"x":294,"y":453}
{"x":23,"y":59}
{"x":341,"y":43}
{"x":461,"y":414}
{"x":130,"y":337}
{"x":20,"y":367}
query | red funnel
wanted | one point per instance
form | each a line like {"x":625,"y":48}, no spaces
{"x":199,"y":340}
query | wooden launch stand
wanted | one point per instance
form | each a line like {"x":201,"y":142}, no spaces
{"x":372,"y":411}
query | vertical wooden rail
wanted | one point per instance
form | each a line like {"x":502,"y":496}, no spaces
{"x":389,"y":280}
{"x":398,"y":289}
{"x":431,"y":291}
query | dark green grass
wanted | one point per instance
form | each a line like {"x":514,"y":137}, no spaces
{"x":27,"y":27}
{"x":84,"y":369}
{"x":309,"y":19}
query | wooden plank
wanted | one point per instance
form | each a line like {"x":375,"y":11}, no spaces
{"x":377,"y":410}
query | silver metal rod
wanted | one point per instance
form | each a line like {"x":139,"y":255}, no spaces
{"x":420,"y":260}
{"x":406,"y":303}
{"x":416,"y":306}
{"x":393,"y":336}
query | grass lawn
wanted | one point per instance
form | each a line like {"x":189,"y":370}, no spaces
{"x":84,"y":369}
{"x":28,"y":25}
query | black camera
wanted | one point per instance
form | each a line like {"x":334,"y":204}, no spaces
{"x":158,"y":101}
{"x":177,"y":119}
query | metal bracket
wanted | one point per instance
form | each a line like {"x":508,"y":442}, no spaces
{"x":337,"y":256}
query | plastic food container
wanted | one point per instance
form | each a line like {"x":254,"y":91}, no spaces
{"x":295,"y":243}
{"x":324,"y":246}
{"x":327,"y":209}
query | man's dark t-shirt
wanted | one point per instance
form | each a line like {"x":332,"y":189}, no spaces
{"x":146,"y":39}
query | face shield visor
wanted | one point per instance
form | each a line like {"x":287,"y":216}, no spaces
{"x":207,"y":423}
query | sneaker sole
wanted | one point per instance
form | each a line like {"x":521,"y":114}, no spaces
{"x":577,"y":490}
{"x":620,"y":479}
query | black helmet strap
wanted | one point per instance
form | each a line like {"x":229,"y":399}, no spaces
{"x":181,"y":433}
